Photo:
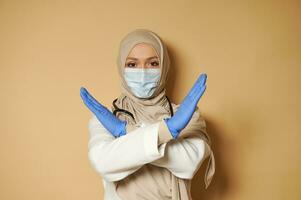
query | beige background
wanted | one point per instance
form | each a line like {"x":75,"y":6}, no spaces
{"x":250,"y":51}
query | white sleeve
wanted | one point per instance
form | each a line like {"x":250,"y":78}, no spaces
{"x":115,"y":158}
{"x":184,"y":156}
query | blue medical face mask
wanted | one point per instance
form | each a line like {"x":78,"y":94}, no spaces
{"x":142,"y":81}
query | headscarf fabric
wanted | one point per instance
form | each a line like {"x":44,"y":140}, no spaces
{"x":154,"y":108}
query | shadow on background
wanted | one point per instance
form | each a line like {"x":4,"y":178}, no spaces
{"x":224,"y":180}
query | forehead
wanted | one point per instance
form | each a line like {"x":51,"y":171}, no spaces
{"x":143,"y":50}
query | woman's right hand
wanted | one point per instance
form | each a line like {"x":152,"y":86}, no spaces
{"x":183,"y":115}
{"x":114,"y":125}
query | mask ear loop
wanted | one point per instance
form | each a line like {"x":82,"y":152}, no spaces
{"x":116,"y":110}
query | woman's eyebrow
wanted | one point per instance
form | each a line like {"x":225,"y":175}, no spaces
{"x":132,"y":58}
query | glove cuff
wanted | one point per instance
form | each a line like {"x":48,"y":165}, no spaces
{"x":122,"y":130}
{"x":173,"y":132}
{"x":163,"y":133}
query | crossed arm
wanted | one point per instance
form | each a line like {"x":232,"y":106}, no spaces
{"x":116,"y":158}
{"x":116,"y":153}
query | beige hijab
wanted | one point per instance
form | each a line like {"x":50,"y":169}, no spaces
{"x":156,"y":107}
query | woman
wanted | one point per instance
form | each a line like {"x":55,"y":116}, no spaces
{"x":148,"y":148}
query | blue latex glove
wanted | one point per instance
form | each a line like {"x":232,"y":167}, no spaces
{"x":184,"y":113}
{"x":114,"y":125}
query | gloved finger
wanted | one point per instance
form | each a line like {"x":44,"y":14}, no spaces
{"x":197,"y":87}
{"x":85,"y":92}
{"x":94,"y":105}
{"x":198,"y":84}
{"x":96,"y":109}
{"x":89,"y":104}
{"x":83,"y":95}
{"x":201,"y":92}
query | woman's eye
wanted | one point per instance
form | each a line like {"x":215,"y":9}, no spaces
{"x":155,"y":63}
{"x":130,"y":64}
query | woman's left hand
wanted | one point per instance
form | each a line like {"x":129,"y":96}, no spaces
{"x":114,"y":125}
{"x":184,"y":114}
